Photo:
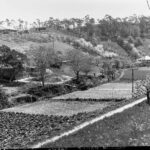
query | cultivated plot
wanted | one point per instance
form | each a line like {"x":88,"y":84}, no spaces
{"x":106,"y":91}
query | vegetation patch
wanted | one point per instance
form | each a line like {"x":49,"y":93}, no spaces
{"x":94,"y":100}
{"x":138,"y":74}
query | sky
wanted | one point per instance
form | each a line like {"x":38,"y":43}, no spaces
{"x":30,"y":10}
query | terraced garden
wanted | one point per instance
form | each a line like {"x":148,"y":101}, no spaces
{"x":106,"y":91}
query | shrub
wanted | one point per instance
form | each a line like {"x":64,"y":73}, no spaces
{"x":3,"y":100}
{"x":24,"y":99}
{"x":138,"y":42}
{"x":131,"y":40}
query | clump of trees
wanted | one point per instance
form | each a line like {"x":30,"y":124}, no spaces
{"x":89,"y":28}
{"x":129,"y":46}
{"x":79,"y":62}
{"x":3,"y":100}
{"x":11,"y":63}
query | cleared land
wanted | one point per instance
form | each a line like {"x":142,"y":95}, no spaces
{"x":139,"y":74}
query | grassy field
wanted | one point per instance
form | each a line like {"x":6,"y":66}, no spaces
{"x":139,"y":74}
{"x":130,"y":128}
{"x":23,"y":43}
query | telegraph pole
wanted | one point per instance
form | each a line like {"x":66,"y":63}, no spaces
{"x":132,"y":81}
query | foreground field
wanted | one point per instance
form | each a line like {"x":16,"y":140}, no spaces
{"x":19,"y":130}
{"x":109,"y":90}
{"x":130,"y":128}
{"x":64,"y":108}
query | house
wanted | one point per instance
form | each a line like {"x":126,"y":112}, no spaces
{"x":5,"y":30}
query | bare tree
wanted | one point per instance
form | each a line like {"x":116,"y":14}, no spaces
{"x":43,"y":58}
{"x":79,"y":62}
{"x":148,"y":4}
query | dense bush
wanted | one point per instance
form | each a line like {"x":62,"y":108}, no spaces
{"x":138,"y":42}
{"x":95,"y":100}
{"x":131,"y":40}
{"x":51,"y":90}
{"x":3,"y":100}
{"x":24,"y":98}
{"x":129,"y":47}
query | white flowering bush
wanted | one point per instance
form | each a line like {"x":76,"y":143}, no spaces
{"x":99,"y":49}
{"x":142,"y":87}
{"x":109,"y":54}
{"x":139,"y":89}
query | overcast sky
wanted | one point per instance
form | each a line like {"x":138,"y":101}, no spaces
{"x":32,"y":9}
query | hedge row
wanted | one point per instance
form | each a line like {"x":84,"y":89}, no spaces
{"x":94,"y":100}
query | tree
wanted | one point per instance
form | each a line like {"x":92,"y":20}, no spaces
{"x":109,"y":70}
{"x":11,"y":59}
{"x":98,"y":61}
{"x":43,"y":58}
{"x":78,"y":61}
{"x":4,"y":103}
{"x":87,"y":64}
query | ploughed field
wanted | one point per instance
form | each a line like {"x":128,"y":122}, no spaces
{"x":19,"y":130}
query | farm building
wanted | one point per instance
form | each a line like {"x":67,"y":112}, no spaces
{"x":144,"y":60}
{"x":6,"y":30}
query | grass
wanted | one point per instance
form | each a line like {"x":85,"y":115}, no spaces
{"x":130,"y":128}
{"x":23,"y":43}
{"x":64,"y":108}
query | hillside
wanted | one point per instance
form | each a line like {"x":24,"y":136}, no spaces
{"x":23,"y":42}
{"x":63,"y":43}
